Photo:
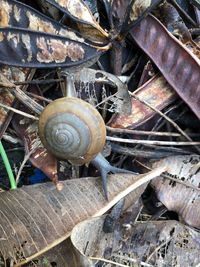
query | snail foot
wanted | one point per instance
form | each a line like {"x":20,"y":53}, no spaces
{"x":104,"y":168}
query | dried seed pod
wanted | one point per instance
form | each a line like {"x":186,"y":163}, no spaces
{"x":177,"y":64}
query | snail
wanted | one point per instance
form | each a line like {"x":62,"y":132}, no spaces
{"x":73,"y":130}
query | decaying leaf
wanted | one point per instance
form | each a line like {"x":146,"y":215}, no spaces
{"x":121,"y":100}
{"x":38,"y":155}
{"x":47,"y":215}
{"x":156,"y":92}
{"x":80,"y":12}
{"x":178,"y":65}
{"x":62,"y":255}
{"x":178,"y":197}
{"x":77,"y":9}
{"x":4,"y":82}
{"x":162,"y":243}
{"x":136,"y":11}
{"x":10,"y":74}
{"x":138,"y":7}
{"x":119,"y":9}
{"x":20,"y":47}
{"x":19,"y":15}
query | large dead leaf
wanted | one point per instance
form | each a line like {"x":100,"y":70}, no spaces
{"x":162,"y":243}
{"x":36,"y":218}
{"x":183,"y":199}
{"x":62,"y":255}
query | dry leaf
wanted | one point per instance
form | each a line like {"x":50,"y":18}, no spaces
{"x":179,"y":197}
{"x":162,"y":243}
{"x":40,"y":217}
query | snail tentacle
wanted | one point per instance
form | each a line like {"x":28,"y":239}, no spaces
{"x":104,"y":168}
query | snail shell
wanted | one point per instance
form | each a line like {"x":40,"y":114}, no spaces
{"x":72,"y":129}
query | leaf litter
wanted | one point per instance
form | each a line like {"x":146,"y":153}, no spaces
{"x":137,"y":63}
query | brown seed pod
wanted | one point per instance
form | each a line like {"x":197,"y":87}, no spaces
{"x":72,"y":129}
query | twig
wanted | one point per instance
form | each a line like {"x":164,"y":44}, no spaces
{"x":163,"y":115}
{"x":129,"y":131}
{"x":151,"y":142}
{"x":106,"y":99}
{"x":130,"y":151}
{"x":28,"y":101}
{"x":26,"y":157}
{"x":183,"y":13}
{"x":40,"y":97}
{"x":168,"y":119}
{"x":165,"y":175}
{"x":157,"y":249}
{"x":118,"y":264}
{"x":47,"y":81}
{"x":19,"y":112}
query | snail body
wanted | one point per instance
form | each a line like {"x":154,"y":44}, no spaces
{"x":72,"y":129}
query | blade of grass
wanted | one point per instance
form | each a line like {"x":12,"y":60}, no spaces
{"x":8,"y":167}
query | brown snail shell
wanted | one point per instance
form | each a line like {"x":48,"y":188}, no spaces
{"x":72,"y":129}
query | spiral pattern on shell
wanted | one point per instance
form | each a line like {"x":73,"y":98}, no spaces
{"x":72,"y":129}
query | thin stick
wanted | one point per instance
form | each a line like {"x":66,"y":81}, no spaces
{"x":158,"y":248}
{"x":19,"y":112}
{"x":106,"y":99}
{"x":26,"y":158}
{"x":47,"y":81}
{"x":164,"y":116}
{"x":151,"y":142}
{"x":129,"y":131}
{"x":118,"y":264}
{"x":165,"y":175}
{"x":183,"y":13}
{"x":39,"y":97}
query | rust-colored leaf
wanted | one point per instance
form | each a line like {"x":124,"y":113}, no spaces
{"x":36,"y":218}
{"x":39,"y":157}
{"x":178,"y":65}
{"x":156,"y":92}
